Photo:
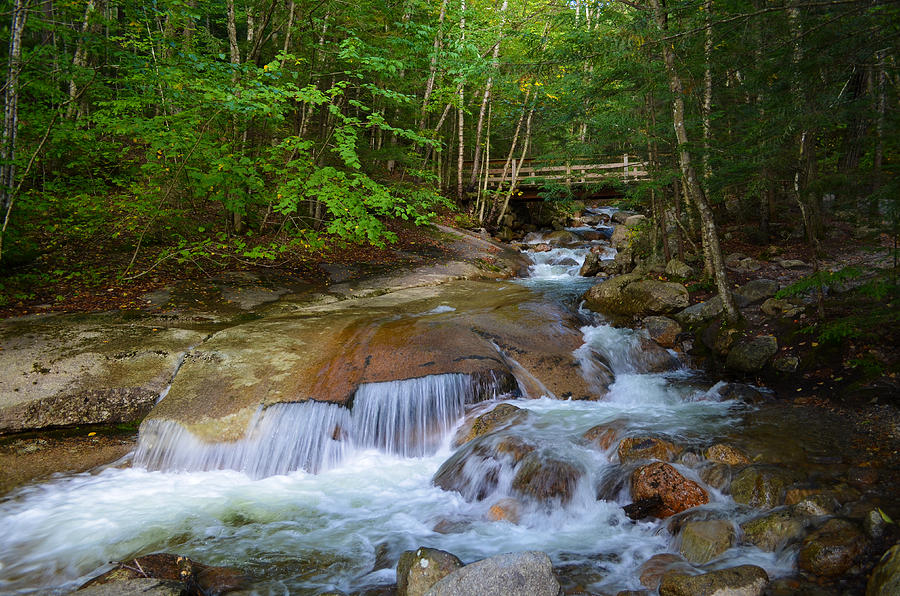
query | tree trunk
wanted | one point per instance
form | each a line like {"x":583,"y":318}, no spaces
{"x":11,"y":115}
{"x":460,"y":121}
{"x":710,"y":234}
{"x":432,"y":73}
{"x":479,"y":128}
{"x":80,"y":60}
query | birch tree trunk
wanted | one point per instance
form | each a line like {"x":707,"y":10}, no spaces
{"x":486,"y":97}
{"x":80,"y":60}
{"x":710,"y":234}
{"x":461,"y":118}
{"x":432,"y":72}
{"x":11,"y":115}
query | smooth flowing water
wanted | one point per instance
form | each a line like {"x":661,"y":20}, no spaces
{"x":319,"y":497}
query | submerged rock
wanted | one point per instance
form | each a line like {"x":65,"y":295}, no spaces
{"x":885,"y":579}
{"x":651,"y":572}
{"x":760,"y":486}
{"x":507,"y":509}
{"x":832,"y":549}
{"x":603,"y":436}
{"x":744,"y":580}
{"x":726,"y":454}
{"x":676,"y":492}
{"x":520,"y":573}
{"x":702,"y":541}
{"x":418,"y":570}
{"x":774,"y":530}
{"x":546,"y":478}
{"x":638,"y":448}
{"x":168,"y":574}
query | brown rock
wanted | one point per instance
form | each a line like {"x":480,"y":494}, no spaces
{"x":660,"y":479}
{"x":507,"y":509}
{"x":546,"y":478}
{"x":727,"y":454}
{"x":702,"y":541}
{"x":662,"y":330}
{"x":418,"y":570}
{"x":653,"y":569}
{"x":604,"y":435}
{"x":195,"y":578}
{"x":502,"y":415}
{"x":744,"y":580}
{"x":638,"y":448}
{"x":832,"y":549}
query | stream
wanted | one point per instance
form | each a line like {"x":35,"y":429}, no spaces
{"x":318,"y":497}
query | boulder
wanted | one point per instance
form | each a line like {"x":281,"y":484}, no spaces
{"x":679,"y":269}
{"x":135,"y":587}
{"x":474,"y":470}
{"x":755,"y":291}
{"x":774,"y":530}
{"x":675,"y":492}
{"x":702,"y":541}
{"x":885,"y":578}
{"x":749,"y":264}
{"x":603,"y":436}
{"x":621,"y":237}
{"x":752,"y":354}
{"x":786,"y":364}
{"x":792,"y":264}
{"x":635,"y":220}
{"x":760,"y":486}
{"x":662,"y":330}
{"x":716,"y":475}
{"x":591,"y":265}
{"x":620,"y":217}
{"x":520,"y":573}
{"x":701,"y":312}
{"x":832,"y":549}
{"x":776,"y":307}
{"x":608,"y":292}
{"x":733,"y":260}
{"x":501,"y":416}
{"x":561,"y":237}
{"x":546,"y":478}
{"x":744,"y":580}
{"x":418,"y":570}
{"x":640,"y":448}
{"x":653,"y":297}
{"x":542,"y":247}
{"x":726,"y":454}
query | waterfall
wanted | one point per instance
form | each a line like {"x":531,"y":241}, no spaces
{"x":410,"y":418}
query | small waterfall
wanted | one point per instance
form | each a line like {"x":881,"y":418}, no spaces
{"x":410,"y":418}
{"x":280,"y":439}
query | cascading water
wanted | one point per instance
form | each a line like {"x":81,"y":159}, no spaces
{"x":317,"y":497}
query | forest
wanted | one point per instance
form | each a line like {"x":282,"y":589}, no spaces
{"x":190,"y":135}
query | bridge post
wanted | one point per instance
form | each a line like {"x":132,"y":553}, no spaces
{"x":625,"y":160}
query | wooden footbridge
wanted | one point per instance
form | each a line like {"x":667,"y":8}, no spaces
{"x":532,"y":175}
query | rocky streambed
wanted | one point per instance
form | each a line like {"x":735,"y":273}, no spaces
{"x":406,"y":434}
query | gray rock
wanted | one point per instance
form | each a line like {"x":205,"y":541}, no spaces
{"x":745,"y":580}
{"x":621,"y":217}
{"x":418,"y":570}
{"x":750,"y":264}
{"x":755,"y":291}
{"x":751,"y":355}
{"x":591,"y":265}
{"x":792,"y":264}
{"x":635,"y":220}
{"x":885,"y":579}
{"x":527,"y":573}
{"x":662,"y":330}
{"x":651,"y":297}
{"x":786,"y":364}
{"x":702,"y":541}
{"x":700,"y":312}
{"x":776,"y":307}
{"x":621,"y":236}
{"x":676,"y":268}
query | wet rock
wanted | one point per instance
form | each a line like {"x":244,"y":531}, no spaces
{"x":542,"y":247}
{"x":885,"y":578}
{"x":760,"y":486}
{"x":609,"y":291}
{"x":644,"y":508}
{"x":726,"y":454}
{"x":738,"y":391}
{"x":507,"y":509}
{"x":640,"y":448}
{"x":603,"y":436}
{"x":591,"y":265}
{"x":676,"y":492}
{"x":662,"y":330}
{"x":816,"y":505}
{"x":191,"y":578}
{"x":500,"y":417}
{"x":744,"y":580}
{"x":418,"y":570}
{"x":832,"y":549}
{"x":702,"y":541}
{"x":755,"y":291}
{"x":135,"y":587}
{"x":773,"y":530}
{"x":474,"y":470}
{"x":546,"y":478}
{"x":679,"y":269}
{"x":776,"y":307}
{"x":751,"y":355}
{"x":652,"y":358}
{"x":515,"y":448}
{"x":560,"y":237}
{"x":700,"y":312}
{"x":529,"y":572}
{"x":651,"y":572}
{"x":716,"y":475}
{"x":874,"y":524}
{"x":862,"y":476}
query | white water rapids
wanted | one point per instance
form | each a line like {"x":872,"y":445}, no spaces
{"x":300,"y":512}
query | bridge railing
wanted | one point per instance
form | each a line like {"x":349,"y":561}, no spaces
{"x":530,"y":172}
